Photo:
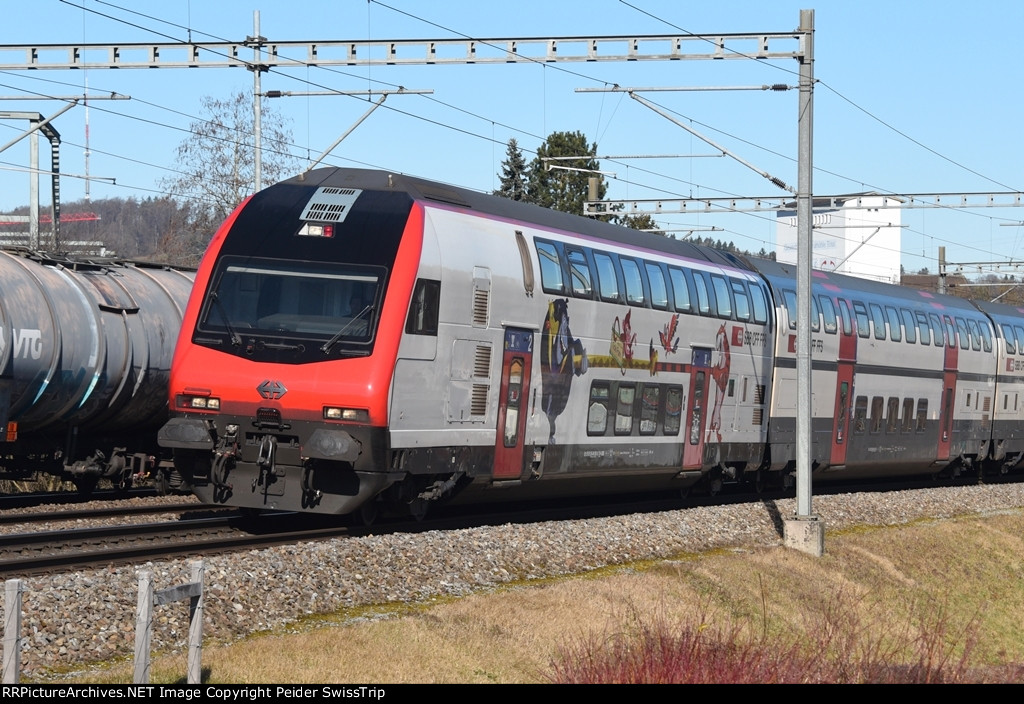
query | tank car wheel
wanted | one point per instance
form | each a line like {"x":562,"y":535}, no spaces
{"x":418,"y":509}
{"x":365,"y":515}
{"x":86,"y":485}
{"x":760,"y":481}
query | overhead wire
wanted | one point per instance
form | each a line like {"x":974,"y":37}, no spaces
{"x":469,"y":113}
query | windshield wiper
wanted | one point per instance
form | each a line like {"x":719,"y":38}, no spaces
{"x":326,"y":347}
{"x":235,"y":339}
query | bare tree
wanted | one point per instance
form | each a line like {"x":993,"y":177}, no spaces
{"x":215,"y":163}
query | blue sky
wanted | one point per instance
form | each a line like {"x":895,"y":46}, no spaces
{"x":913,"y":97}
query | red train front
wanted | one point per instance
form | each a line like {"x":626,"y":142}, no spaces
{"x":280,"y":380}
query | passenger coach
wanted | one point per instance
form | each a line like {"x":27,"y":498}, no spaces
{"x":357,"y":339}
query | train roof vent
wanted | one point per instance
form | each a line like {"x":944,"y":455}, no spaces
{"x":330,"y":204}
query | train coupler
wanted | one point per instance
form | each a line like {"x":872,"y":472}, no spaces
{"x":310,"y":495}
{"x":265,"y":461}
{"x":223,"y":462}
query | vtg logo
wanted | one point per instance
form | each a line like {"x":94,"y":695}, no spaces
{"x":26,"y":343}
{"x":271,"y":389}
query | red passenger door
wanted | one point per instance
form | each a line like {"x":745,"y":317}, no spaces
{"x":516,"y":362}
{"x":949,"y":368}
{"x":696,"y":409}
{"x":844,"y":386}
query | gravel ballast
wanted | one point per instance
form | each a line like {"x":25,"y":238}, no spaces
{"x":74,"y":618}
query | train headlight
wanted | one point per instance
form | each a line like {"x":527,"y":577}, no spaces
{"x":188,"y":402}
{"x":355,"y":415}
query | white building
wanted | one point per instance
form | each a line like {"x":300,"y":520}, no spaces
{"x":857,"y":235}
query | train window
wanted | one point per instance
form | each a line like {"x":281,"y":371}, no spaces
{"x":844,"y":313}
{"x":739,"y":293}
{"x":1018,"y":332}
{"x":892,"y":418}
{"x":722,"y":296}
{"x":789,"y":300}
{"x":634,"y":282}
{"x":680,"y":290}
{"x":863,"y":324}
{"x":938,"y":335}
{"x":579,"y":273}
{"x":649,"y":401}
{"x":597,"y":414}
{"x":922,"y":327}
{"x":878,"y":320}
{"x":950,"y":331}
{"x":760,"y":304}
{"x":703,"y":297}
{"x":279,"y":299}
{"x":673,"y":409}
{"x":659,"y":291}
{"x":423,"y":310}
{"x":624,"y":409}
{"x":860,"y":414}
{"x":895,"y":329}
{"x":972,"y":325}
{"x":965,"y":336}
{"x":698,"y":404}
{"x":908,"y":415}
{"x":967,"y":401}
{"x":909,"y":325}
{"x":922,"y":414}
{"x":828,"y":311}
{"x":1011,"y":341}
{"x":550,"y":267}
{"x":877,"y":408}
{"x":607,"y":281}
{"x":986,"y":335}
{"x":815,"y":315}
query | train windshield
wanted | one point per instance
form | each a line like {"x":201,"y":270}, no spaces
{"x":306,"y":307}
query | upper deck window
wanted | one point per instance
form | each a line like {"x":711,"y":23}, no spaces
{"x":829,"y":312}
{"x":680,"y":290}
{"x":579,"y":273}
{"x":722,"y":296}
{"x":739,"y":294}
{"x":550,"y":267}
{"x":607,"y":282}
{"x":659,"y":291}
{"x":634,"y":282}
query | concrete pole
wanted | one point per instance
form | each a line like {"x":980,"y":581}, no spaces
{"x":804,"y":532}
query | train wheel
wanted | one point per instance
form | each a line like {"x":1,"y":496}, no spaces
{"x":760,"y":481}
{"x":365,"y":515}
{"x":418,"y":509}
{"x":85,"y":485}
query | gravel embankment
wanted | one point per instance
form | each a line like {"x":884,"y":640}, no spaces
{"x":80,"y":617}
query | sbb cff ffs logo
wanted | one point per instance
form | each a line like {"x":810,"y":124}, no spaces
{"x":271,"y":389}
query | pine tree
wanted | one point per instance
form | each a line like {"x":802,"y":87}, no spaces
{"x":566,"y":188}
{"x":513,"y":174}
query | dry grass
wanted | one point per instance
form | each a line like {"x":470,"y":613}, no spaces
{"x":927,"y":602}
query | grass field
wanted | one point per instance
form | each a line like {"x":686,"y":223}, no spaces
{"x":933,"y":601}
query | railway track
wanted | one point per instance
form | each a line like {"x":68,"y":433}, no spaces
{"x":25,"y":554}
{"x":200,"y":529}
